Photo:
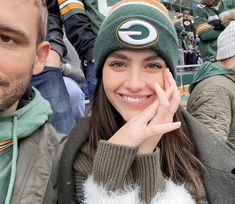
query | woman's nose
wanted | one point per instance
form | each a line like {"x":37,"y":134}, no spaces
{"x":134,"y":81}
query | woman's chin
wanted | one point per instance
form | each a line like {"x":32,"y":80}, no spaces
{"x":128,"y":115}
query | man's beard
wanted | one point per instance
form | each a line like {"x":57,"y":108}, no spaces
{"x":11,"y":93}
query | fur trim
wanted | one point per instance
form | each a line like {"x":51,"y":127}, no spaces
{"x":94,"y":193}
{"x":173,"y":194}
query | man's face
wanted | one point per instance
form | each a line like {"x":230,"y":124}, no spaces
{"x":20,"y":55}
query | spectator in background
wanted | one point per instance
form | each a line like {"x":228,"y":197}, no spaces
{"x":30,"y":148}
{"x":81,"y":27}
{"x":50,"y":82}
{"x":189,"y":47}
{"x":187,"y":22}
{"x":180,"y":31}
{"x":212,"y":98}
{"x":208,"y":25}
{"x":73,"y":77}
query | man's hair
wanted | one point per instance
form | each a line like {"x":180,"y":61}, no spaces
{"x":42,"y":21}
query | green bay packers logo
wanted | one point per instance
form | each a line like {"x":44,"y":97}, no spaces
{"x":137,"y":32}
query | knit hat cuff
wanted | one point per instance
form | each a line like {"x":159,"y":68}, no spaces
{"x":226,"y":52}
{"x":226,"y":42}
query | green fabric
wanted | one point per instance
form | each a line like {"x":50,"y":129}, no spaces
{"x":206,"y":70}
{"x":96,"y":10}
{"x":5,"y":172}
{"x":17,"y":125}
{"x":208,"y":37}
{"x":109,"y":39}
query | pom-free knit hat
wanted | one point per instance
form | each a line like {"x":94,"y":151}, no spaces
{"x":137,"y":24}
{"x":226,"y":42}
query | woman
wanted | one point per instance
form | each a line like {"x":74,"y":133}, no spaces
{"x":132,"y":149}
{"x":190,"y":53}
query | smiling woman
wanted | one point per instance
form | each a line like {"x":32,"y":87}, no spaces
{"x":129,"y":77}
{"x":139,"y":146}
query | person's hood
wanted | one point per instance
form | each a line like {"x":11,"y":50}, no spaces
{"x":25,"y":120}
{"x":20,"y":124}
{"x":206,"y":70}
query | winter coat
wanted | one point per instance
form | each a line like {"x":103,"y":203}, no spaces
{"x":37,"y":167}
{"x":212,"y":101}
{"x":219,"y":181}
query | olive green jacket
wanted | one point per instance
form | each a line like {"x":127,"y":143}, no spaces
{"x":212,"y":102}
{"x":37,"y":167}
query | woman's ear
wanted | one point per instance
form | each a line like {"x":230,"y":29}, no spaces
{"x":41,"y":57}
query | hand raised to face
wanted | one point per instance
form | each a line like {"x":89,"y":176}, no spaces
{"x":146,"y":129}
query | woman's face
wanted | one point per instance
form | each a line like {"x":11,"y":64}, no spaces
{"x":129,"y":77}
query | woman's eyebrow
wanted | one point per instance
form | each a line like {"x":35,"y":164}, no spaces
{"x":118,"y":56}
{"x":152,"y":57}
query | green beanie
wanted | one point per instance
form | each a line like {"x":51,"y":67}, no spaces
{"x":137,"y":24}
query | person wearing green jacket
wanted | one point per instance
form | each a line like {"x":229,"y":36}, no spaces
{"x":207,"y":19}
{"x":212,"y":91}
{"x":30,"y":149}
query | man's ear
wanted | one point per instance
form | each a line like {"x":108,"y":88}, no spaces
{"x":41,"y":57}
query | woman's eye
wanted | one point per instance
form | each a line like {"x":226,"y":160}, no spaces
{"x":117,"y":64}
{"x":154,"y":66}
{"x":6,"y":39}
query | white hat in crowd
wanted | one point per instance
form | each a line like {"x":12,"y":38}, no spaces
{"x":226,"y":42}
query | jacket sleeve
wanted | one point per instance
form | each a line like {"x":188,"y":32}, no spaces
{"x":204,"y":30}
{"x":211,"y":108}
{"x":78,"y":28}
{"x":54,"y":29}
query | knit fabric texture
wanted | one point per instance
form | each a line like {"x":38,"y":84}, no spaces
{"x":137,"y":24}
{"x":226,"y":42}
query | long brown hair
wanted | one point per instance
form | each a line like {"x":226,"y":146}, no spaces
{"x":178,"y":154}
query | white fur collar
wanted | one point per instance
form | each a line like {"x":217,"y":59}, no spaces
{"x":173,"y":194}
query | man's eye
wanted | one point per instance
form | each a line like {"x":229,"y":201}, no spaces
{"x":7,"y":39}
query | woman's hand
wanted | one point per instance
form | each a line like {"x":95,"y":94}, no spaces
{"x":146,"y":129}
{"x":168,"y":99}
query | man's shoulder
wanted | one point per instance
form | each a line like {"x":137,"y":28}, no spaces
{"x":47,"y":138}
{"x":225,"y":82}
